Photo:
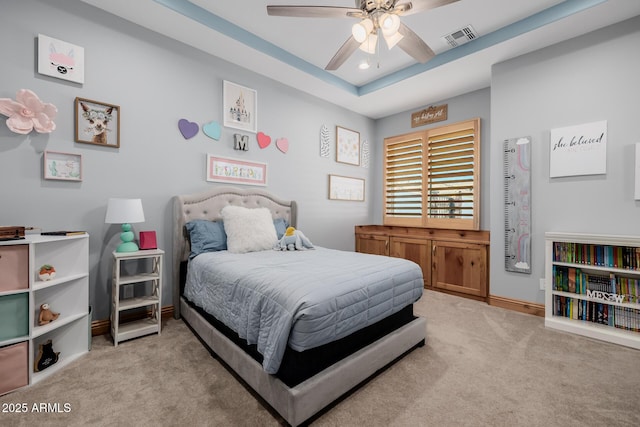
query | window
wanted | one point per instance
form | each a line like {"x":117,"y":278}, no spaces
{"x":431,"y":177}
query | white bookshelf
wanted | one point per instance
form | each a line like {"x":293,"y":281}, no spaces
{"x":147,"y":293}
{"x":67,"y":294}
{"x":601,"y":268}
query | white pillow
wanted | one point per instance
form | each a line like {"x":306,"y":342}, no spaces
{"x":248,"y":230}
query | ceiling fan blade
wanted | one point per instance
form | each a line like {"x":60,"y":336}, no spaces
{"x":342,"y":54}
{"x":313,"y":11}
{"x":416,"y":6}
{"x":414,"y":45}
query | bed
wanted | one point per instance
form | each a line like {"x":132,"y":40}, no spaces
{"x":296,"y":372}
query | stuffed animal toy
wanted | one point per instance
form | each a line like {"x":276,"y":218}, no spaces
{"x":293,"y":240}
{"x":46,"y":315}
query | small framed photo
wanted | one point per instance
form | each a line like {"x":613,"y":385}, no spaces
{"x":346,"y":188}
{"x":240,"y":107}
{"x":347,"y":146}
{"x":97,"y":123}
{"x":236,"y":171}
{"x":62,"y":166}
{"x":60,"y":59}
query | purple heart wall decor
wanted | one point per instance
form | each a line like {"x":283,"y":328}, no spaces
{"x":188,"y":129}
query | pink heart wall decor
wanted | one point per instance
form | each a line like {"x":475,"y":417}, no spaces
{"x":282,"y":144}
{"x":263,"y":140}
{"x":188,"y":129}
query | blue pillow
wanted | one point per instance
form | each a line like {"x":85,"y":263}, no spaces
{"x":206,"y":236}
{"x":281,"y":226}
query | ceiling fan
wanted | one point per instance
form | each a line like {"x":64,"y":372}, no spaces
{"x":376,"y":16}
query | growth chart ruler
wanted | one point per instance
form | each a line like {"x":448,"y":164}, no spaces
{"x":517,"y":205}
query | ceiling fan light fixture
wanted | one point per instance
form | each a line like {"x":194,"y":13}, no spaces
{"x":361,"y":30}
{"x":370,"y":44}
{"x":393,"y":40}
{"x":389,"y":23}
{"x":364,"y":65}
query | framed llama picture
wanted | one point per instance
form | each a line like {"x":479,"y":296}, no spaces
{"x":60,"y":59}
{"x":97,"y":123}
{"x":240,"y":107}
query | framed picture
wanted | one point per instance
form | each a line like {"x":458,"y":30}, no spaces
{"x":347,"y":146}
{"x":236,"y":171}
{"x":97,"y":123}
{"x":240,"y":107}
{"x":346,"y":188}
{"x":62,"y":166}
{"x":60,"y":59}
{"x":578,"y":150}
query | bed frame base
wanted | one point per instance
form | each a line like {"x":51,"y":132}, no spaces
{"x":299,"y":403}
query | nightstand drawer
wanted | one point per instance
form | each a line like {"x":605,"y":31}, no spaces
{"x":14,"y":267}
{"x":14,"y":361}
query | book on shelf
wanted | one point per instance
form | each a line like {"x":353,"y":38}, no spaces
{"x":622,"y":257}
{"x":63,"y":233}
{"x":626,"y":318}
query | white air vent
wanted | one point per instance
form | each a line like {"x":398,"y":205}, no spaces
{"x":461,"y":36}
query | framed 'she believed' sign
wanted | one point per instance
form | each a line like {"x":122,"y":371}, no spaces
{"x":578,"y":150}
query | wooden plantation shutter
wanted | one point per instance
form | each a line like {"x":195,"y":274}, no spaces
{"x":403,"y":184}
{"x":453,"y":160}
{"x":431,"y":178}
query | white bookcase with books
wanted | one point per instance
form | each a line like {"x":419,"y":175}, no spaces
{"x":593,"y":286}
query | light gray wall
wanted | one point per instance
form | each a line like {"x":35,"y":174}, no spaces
{"x":155,"y":81}
{"x":587,"y":79}
{"x":461,"y":108}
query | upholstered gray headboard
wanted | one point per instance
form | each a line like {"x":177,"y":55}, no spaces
{"x":207,"y":205}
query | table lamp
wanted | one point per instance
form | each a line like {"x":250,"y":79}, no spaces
{"x":125,"y":212}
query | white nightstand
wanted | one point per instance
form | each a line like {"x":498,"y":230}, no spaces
{"x":147,"y":292}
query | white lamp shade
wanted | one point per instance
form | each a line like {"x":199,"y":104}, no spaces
{"x":369,"y":44}
{"x":389,"y":23}
{"x":361,"y":30}
{"x":124,"y":211}
{"x":393,"y":39}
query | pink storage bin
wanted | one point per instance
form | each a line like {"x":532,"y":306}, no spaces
{"x":14,"y":360}
{"x":14,"y":267}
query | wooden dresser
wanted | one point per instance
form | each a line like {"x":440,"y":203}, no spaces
{"x":453,"y":261}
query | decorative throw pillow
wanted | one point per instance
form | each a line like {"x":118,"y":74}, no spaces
{"x":248,"y":230}
{"x":206,"y":236}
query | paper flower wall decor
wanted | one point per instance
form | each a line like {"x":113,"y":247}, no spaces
{"x":27,"y":113}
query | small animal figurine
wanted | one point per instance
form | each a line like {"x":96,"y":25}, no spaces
{"x":47,"y":272}
{"x":46,"y":315}
{"x":46,"y":357}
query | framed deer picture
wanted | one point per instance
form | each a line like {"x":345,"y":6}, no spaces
{"x":97,"y":123}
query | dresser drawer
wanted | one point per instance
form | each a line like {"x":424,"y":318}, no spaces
{"x":14,"y":267}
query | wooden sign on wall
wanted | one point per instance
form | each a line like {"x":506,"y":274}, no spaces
{"x":435,"y":113}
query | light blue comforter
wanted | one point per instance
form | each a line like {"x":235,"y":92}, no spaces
{"x":301,"y":298}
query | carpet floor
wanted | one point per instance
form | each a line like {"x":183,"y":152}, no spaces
{"x":482,"y":366}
